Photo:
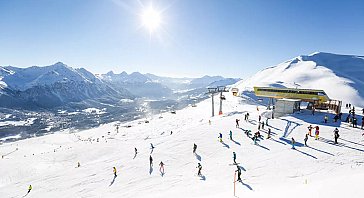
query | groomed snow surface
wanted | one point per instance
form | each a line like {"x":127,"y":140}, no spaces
{"x":269,"y":169}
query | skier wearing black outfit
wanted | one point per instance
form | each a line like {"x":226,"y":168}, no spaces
{"x":336,"y":135}
{"x":199,"y":169}
{"x":194,"y":148}
{"x":150,"y":161}
{"x":239,"y":174}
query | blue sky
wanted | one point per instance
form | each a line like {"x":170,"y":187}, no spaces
{"x":234,"y":38}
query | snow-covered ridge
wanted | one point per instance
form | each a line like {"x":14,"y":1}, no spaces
{"x":341,"y":76}
{"x":25,"y":78}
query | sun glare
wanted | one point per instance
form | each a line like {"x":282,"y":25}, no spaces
{"x":151,"y":19}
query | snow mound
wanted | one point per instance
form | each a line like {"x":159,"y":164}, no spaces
{"x":339,"y":75}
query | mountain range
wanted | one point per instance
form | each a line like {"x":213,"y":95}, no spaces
{"x":57,"y":85}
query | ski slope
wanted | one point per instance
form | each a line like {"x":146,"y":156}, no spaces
{"x":340,"y":76}
{"x":269,"y":169}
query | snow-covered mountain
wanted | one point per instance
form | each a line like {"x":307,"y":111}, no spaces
{"x":153,"y":86}
{"x":51,"y":86}
{"x":138,"y":84}
{"x":341,"y":76}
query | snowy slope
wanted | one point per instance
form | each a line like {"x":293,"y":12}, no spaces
{"x":270,"y":169}
{"x":341,"y":76}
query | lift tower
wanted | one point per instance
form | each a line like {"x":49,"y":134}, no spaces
{"x":221,"y":89}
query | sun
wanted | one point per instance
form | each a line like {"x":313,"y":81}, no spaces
{"x":151,"y":19}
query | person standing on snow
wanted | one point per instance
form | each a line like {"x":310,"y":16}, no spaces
{"x":114,"y":170}
{"x":29,"y":188}
{"x":220,"y":137}
{"x":199,"y":169}
{"x":306,"y":138}
{"x":239,"y":173}
{"x":317,"y":132}
{"x":234,"y":157}
{"x":194,"y":148}
{"x":161,"y":168}
{"x":237,"y":123}
{"x":293,"y":142}
{"x":326,"y":118}
{"x":355,"y":122}
{"x":310,"y":130}
{"x":231,"y":135}
{"x":336,"y":135}
{"x":150,"y":161}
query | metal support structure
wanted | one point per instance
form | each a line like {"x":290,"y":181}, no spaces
{"x":212,"y":91}
{"x":221,"y":89}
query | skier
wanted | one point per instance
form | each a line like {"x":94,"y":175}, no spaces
{"x":150,"y":161}
{"x":269,"y":132}
{"x":306,"y":138}
{"x":29,"y":188}
{"x":136,"y":151}
{"x":248,"y":132}
{"x":117,"y":128}
{"x":310,"y":130}
{"x":239,"y":173}
{"x":255,"y":137}
{"x":114,"y":170}
{"x":336,"y":118}
{"x":194,"y":148}
{"x":231,"y":135}
{"x":317,"y":132}
{"x":336,"y":135}
{"x":355,"y":122}
{"x":326,"y":118}
{"x":237,"y":123}
{"x":347,"y":118}
{"x":152,"y":148}
{"x":199,"y":169}
{"x":234,"y":157}
{"x":78,"y":164}
{"x":247,"y":116}
{"x":161,"y":169}
{"x":293,"y":142}
{"x":220,"y":137}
